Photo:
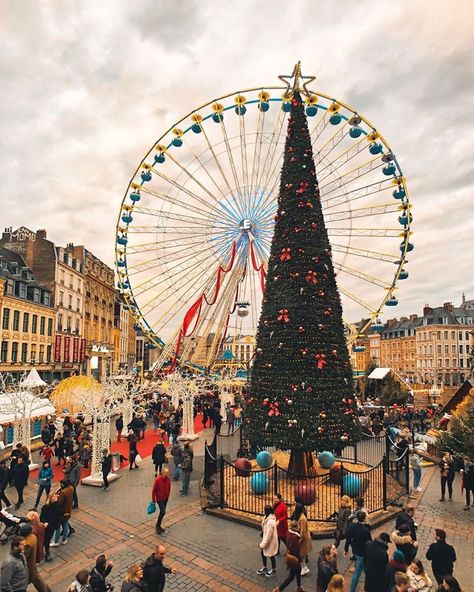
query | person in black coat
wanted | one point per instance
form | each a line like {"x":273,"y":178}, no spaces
{"x":4,"y":479}
{"x":46,"y":435}
{"x":106,"y":467}
{"x":406,"y":517}
{"x":154,"y":571}
{"x":375,"y":562}
{"x":16,"y":453}
{"x":158,"y":456}
{"x":441,"y":555}
{"x":325,"y":568}
{"x":98,"y":581}
{"x":357,"y":535}
{"x":447,"y":474}
{"x":467,"y":472}
{"x":51,"y":516}
{"x":21,"y":472}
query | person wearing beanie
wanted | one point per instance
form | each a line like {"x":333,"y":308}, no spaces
{"x":375,"y":562}
{"x":396,"y":564}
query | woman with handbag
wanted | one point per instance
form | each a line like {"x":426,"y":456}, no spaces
{"x":447,"y":476}
{"x":269,"y":543}
{"x":342,"y":519}
{"x":306,"y":545}
{"x":158,"y":456}
{"x":292,"y":558}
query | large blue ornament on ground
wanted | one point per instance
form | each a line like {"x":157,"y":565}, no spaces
{"x":326,"y":459}
{"x":264,"y":459}
{"x":259,"y":483}
{"x":351,"y":485}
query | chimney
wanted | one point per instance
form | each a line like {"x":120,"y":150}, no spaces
{"x":413,"y":317}
{"x":427,"y":310}
{"x":41,"y":233}
{"x":448,"y":306}
{"x":7,"y":234}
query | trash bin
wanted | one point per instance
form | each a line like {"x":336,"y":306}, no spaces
{"x":115,"y":462}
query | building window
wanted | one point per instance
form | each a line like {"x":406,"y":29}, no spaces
{"x":26,"y":322}
{"x":438,"y":334}
{"x":4,"y":352}
{"x":60,"y":323}
{"x":14,"y":352}
{"x":42,"y":325}
{"x":36,"y":295}
{"x":34,"y":324}
{"x":48,"y":354}
{"x":46,"y":298}
{"x":61,"y":298}
{"x":23,"y":292}
{"x":16,"y":320}
{"x":41,"y":354}
{"x":446,"y":334}
{"x":438,"y":349}
{"x":77,"y":326}
{"x":453,"y":334}
{"x":68,"y":324}
{"x":460,"y":335}
{"x":6,"y":319}
{"x":50,"y":327}
{"x":461,"y":363}
{"x":24,"y":352}
{"x":440,"y":362}
{"x":446,"y":349}
{"x":33,"y":353}
{"x":447,"y":362}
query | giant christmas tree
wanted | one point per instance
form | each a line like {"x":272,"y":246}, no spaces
{"x":301,"y":392}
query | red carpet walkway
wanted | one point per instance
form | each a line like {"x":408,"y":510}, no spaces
{"x":144,"y":448}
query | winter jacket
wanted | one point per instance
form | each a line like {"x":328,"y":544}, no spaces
{"x":325,"y":573}
{"x":154,"y":574}
{"x":14,"y":576}
{"x":305,"y":546}
{"x":98,"y":579}
{"x":419,"y":583}
{"x":65,"y":496}
{"x":132,"y":587}
{"x":405,"y":518}
{"x":281,"y":515}
{"x":357,"y":535}
{"x":442,"y":557}
{"x":45,"y":476}
{"x":51,"y":514}
{"x":185,"y":464}
{"x":342,"y":520}
{"x":4,"y":477}
{"x":447,"y":469}
{"x":21,"y":472}
{"x":468,"y":476}
{"x":74,"y":474}
{"x":158,"y":454}
{"x":392,"y":568}
{"x":107,"y":464}
{"x":161,"y":489}
{"x":404,"y":543}
{"x":293,"y":543}
{"x":269,"y":543}
{"x":177,"y":453}
{"x":375,"y":564}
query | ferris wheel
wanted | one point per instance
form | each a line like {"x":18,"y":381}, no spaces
{"x":196,"y":222}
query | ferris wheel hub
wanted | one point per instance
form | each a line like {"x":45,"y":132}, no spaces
{"x":246,"y":225}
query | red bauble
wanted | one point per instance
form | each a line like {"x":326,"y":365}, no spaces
{"x":335,"y":473}
{"x":242,"y":467}
{"x":306,"y":490}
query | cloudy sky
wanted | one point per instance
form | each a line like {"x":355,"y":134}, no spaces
{"x":87,"y":87}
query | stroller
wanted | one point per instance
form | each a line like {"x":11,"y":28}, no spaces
{"x":9,"y":525}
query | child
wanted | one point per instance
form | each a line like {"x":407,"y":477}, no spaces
{"x":47,"y":452}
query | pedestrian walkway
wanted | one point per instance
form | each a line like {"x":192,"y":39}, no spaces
{"x":209,"y":553}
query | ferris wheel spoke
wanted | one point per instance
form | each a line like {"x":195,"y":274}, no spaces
{"x":167,"y":198}
{"x":365,"y":232}
{"x":332,"y":143}
{"x":357,"y":300}
{"x":243,"y":152}
{"x":365,"y":253}
{"x":187,"y":191}
{"x":172,"y":215}
{"x":237,"y":192}
{"x":361,"y":275}
{"x":257,"y":151}
{"x":349,"y":176}
{"x":376,"y":210}
{"x":354,"y":194}
{"x":344,"y":157}
{"x":319,"y":127}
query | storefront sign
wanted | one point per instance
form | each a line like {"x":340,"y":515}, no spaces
{"x":67,"y":348}
{"x":57,"y":348}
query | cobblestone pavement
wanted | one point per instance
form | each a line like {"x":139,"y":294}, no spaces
{"x":209,"y":553}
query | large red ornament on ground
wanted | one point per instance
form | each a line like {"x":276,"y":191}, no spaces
{"x":242,"y":467}
{"x":306,"y":490}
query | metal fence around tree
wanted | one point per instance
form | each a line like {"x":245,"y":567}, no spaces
{"x":382,"y":483}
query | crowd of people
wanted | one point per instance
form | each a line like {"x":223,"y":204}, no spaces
{"x":389,"y":561}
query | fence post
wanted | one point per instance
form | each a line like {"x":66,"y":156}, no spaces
{"x":221,"y":484}
{"x":342,"y":479}
{"x":275,"y":479}
{"x":355,"y":453}
{"x":384,"y":481}
{"x":387,"y":445}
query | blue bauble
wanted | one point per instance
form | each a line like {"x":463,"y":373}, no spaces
{"x":351,"y":485}
{"x":264,"y":459}
{"x":326,"y":459}
{"x":259,"y":483}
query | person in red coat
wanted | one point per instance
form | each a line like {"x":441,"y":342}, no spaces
{"x":160,"y":494}
{"x":281,"y":514}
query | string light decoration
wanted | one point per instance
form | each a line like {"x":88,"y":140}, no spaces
{"x":301,"y":393}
